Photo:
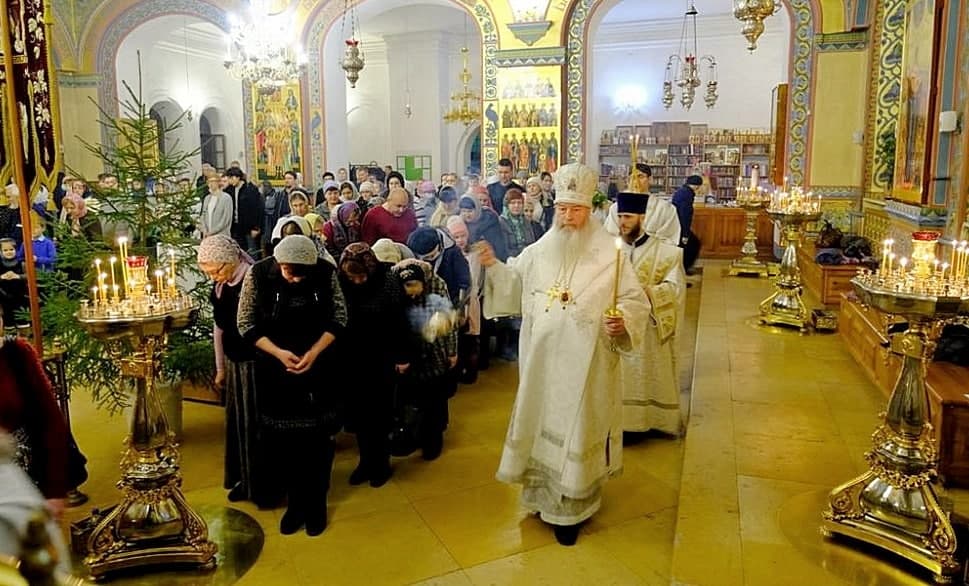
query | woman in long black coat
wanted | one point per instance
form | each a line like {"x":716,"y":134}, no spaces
{"x":292,"y":309}
{"x":374,"y":343}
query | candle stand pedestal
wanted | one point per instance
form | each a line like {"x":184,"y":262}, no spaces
{"x":153,"y":525}
{"x":894,"y":504}
{"x":748,"y":263}
{"x":784,"y":306}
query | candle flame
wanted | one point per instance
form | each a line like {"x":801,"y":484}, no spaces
{"x":618,"y":243}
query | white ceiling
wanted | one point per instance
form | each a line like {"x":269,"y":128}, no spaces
{"x":178,"y":34}
{"x":413,"y":18}
{"x":639,"y":10}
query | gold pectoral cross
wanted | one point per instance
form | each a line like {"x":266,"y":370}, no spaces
{"x":558,"y":293}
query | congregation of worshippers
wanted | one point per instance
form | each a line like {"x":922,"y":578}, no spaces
{"x":415,"y":287}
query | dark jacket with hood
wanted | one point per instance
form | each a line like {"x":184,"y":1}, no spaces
{"x":486,"y":225}
{"x":451,"y":266}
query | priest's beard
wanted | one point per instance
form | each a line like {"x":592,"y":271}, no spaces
{"x":568,"y":243}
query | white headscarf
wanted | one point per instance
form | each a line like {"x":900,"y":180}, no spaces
{"x":662,"y":221}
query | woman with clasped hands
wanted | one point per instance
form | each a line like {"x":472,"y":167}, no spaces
{"x":292,"y":309}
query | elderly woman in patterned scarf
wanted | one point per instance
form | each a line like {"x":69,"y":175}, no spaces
{"x":343,"y":228}
{"x":377,"y":322}
{"x":82,"y":221}
{"x":221,"y":259}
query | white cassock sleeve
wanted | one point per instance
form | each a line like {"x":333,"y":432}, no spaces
{"x":502,"y":291}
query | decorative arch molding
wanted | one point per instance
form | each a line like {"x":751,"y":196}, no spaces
{"x":126,"y":22}
{"x":805,"y":23}
{"x":318,"y":26}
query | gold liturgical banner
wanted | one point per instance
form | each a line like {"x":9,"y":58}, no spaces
{"x":35,"y":94}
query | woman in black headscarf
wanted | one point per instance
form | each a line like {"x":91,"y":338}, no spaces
{"x":376,"y":321}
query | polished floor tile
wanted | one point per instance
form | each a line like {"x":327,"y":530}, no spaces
{"x":580,"y":565}
{"x":484,"y":523}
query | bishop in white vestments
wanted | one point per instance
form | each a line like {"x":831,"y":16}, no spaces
{"x":565,"y":435}
{"x":651,"y":388}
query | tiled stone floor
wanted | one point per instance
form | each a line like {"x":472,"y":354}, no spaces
{"x":777,"y":420}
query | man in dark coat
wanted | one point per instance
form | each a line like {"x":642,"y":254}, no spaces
{"x":436,"y":247}
{"x":496,"y":191}
{"x":248,"y":209}
{"x":683,"y":202}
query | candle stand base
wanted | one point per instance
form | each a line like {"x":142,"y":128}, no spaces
{"x":784,"y":306}
{"x":153,"y":525}
{"x":894,"y":505}
{"x":748,"y":264}
{"x":754,"y":267}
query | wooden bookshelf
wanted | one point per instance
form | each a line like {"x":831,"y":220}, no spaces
{"x":723,"y":155}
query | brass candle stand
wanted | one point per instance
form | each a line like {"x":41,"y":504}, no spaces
{"x":784,"y":306}
{"x":153,"y":525}
{"x":894,"y":504}
{"x":752,"y":201}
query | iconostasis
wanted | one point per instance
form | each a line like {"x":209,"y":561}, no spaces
{"x":530,"y":117}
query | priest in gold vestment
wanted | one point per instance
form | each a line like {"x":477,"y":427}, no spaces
{"x":651,"y":389}
{"x":565,"y":435}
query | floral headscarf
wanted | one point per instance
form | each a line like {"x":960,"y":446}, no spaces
{"x":343,"y":235}
{"x":360,"y":254}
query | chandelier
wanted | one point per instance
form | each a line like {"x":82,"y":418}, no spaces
{"x":261,"y":51}
{"x":352,"y":62}
{"x":752,"y":13}
{"x":466,"y":108}
{"x":682,"y":68}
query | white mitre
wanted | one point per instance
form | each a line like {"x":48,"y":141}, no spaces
{"x":575,"y":184}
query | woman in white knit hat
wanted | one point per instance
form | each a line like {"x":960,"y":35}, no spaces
{"x":292,"y":310}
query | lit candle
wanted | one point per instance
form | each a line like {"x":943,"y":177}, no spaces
{"x":891,"y":261}
{"x":903,"y":263}
{"x":754,"y":176}
{"x":615,"y":287}
{"x":945,"y":267}
{"x":97,"y":270}
{"x":123,"y":249}
{"x":158,"y":278}
{"x":94,"y":295}
{"x":115,"y":290}
{"x":884,"y":253}
{"x":171,"y":288}
{"x":104,"y":293}
{"x":148,"y":290}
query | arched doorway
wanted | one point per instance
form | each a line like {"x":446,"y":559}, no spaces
{"x":805,"y":17}
{"x":329,"y":132}
{"x":165,"y":113}
{"x":468,"y":154}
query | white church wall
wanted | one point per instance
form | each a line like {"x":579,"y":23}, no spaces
{"x":628,"y":64}
{"x":367,"y":123}
{"x":207,"y":85}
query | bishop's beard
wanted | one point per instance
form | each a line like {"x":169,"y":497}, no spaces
{"x":568,"y":243}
